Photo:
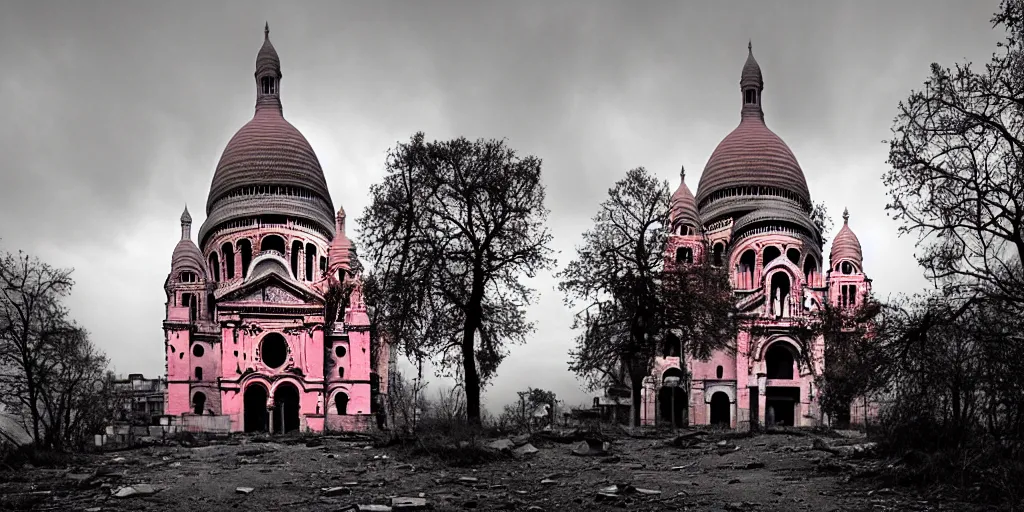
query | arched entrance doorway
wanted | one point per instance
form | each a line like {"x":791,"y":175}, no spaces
{"x":721,"y":409}
{"x":254,"y":403}
{"x":672,"y":401}
{"x":286,"y":408}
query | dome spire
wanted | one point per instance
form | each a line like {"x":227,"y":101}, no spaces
{"x":846,"y":215}
{"x":268,"y":75}
{"x":751,"y":85}
{"x":186,"y":224}
{"x":682,"y":173}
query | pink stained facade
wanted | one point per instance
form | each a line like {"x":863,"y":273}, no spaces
{"x":246,"y":338}
{"x":753,"y":208}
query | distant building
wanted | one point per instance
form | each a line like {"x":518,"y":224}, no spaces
{"x":146,"y":398}
{"x":248,"y":345}
{"x":754,"y":208}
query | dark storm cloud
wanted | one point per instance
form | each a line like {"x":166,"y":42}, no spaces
{"x":116,"y":114}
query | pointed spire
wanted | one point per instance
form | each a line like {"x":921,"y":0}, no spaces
{"x":266,"y":31}
{"x":340,"y":219}
{"x":186,"y":224}
{"x":682,"y":173}
{"x":750,"y":46}
{"x":751,"y":85}
{"x":846,"y":215}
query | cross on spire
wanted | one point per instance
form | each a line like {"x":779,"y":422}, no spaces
{"x":750,"y":46}
{"x":846,"y":215}
{"x":266,"y":31}
{"x":682,"y":172}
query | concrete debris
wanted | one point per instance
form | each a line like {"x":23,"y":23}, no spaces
{"x":592,"y":447}
{"x":404,"y":503}
{"x":526,"y":449}
{"x":135,"y":490}
{"x":335,"y":491}
{"x":501,"y":445}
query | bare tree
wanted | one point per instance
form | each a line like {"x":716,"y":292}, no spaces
{"x":451,"y":231}
{"x":630,"y":301}
{"x":956,"y":175}
{"x":50,"y":373}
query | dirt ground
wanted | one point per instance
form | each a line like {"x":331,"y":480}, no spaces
{"x":768,"y":472}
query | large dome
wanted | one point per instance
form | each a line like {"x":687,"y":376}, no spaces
{"x":752,"y":155}
{"x":268,"y":168}
{"x":752,"y":176}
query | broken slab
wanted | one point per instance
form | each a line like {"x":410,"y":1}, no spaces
{"x":405,"y":503}
{"x":134,"y":490}
{"x":592,"y":447}
{"x":526,"y":449}
{"x":244,"y":490}
{"x":501,"y":445}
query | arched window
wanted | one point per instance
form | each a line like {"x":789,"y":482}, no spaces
{"x":793,"y":255}
{"x":323,"y":264}
{"x":198,"y":402}
{"x":310,"y":261}
{"x":745,"y":272}
{"x":187,"y":276}
{"x":672,"y":346}
{"x":296,"y":254}
{"x":341,"y":403}
{"x":199,"y":373}
{"x":779,"y":300}
{"x":847,"y":268}
{"x":770,"y":253}
{"x":229,"y":260}
{"x":719,"y":372}
{"x":717,"y":254}
{"x":810,"y":270}
{"x":750,"y":96}
{"x":189,"y":300}
{"x":215,"y":266}
{"x":245,"y":248}
{"x":779,"y":362}
{"x":272,"y":243}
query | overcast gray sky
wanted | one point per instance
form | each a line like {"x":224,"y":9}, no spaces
{"x":116,"y":113}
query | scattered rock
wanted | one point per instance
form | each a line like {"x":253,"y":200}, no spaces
{"x":404,"y":503}
{"x":754,"y":465}
{"x":244,"y":490}
{"x":468,"y":480}
{"x":526,"y":449}
{"x":335,"y":491}
{"x":592,"y":447}
{"x":135,"y":490}
{"x":501,"y":445}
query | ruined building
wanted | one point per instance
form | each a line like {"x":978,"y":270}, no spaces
{"x":249,"y":346}
{"x":753,"y":211}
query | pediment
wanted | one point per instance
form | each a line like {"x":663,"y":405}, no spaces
{"x":271,"y":289}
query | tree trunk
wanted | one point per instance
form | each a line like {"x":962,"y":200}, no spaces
{"x":474,"y":314}
{"x":637,"y":383}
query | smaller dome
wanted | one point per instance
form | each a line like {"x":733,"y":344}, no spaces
{"x":751,"y":75}
{"x":186,"y":217}
{"x":339,"y":253}
{"x":267,"y":61}
{"x":186,"y":256}
{"x":846,"y":246}
{"x":682,"y":207}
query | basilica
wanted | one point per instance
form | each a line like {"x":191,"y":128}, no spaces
{"x":752,"y":215}
{"x":250,"y":343}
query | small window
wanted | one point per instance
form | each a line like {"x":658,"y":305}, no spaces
{"x":847,"y":268}
{"x":718,"y":255}
{"x":751,"y":96}
{"x":341,"y":372}
{"x":199,"y":402}
{"x":187,"y":277}
{"x":719,"y":371}
{"x":199,"y":373}
{"x":684,"y":255}
{"x":267,"y":85}
{"x":339,"y":351}
{"x":198,"y":351}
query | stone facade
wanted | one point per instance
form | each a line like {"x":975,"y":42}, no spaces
{"x":753,"y":211}
{"x":246,"y":337}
